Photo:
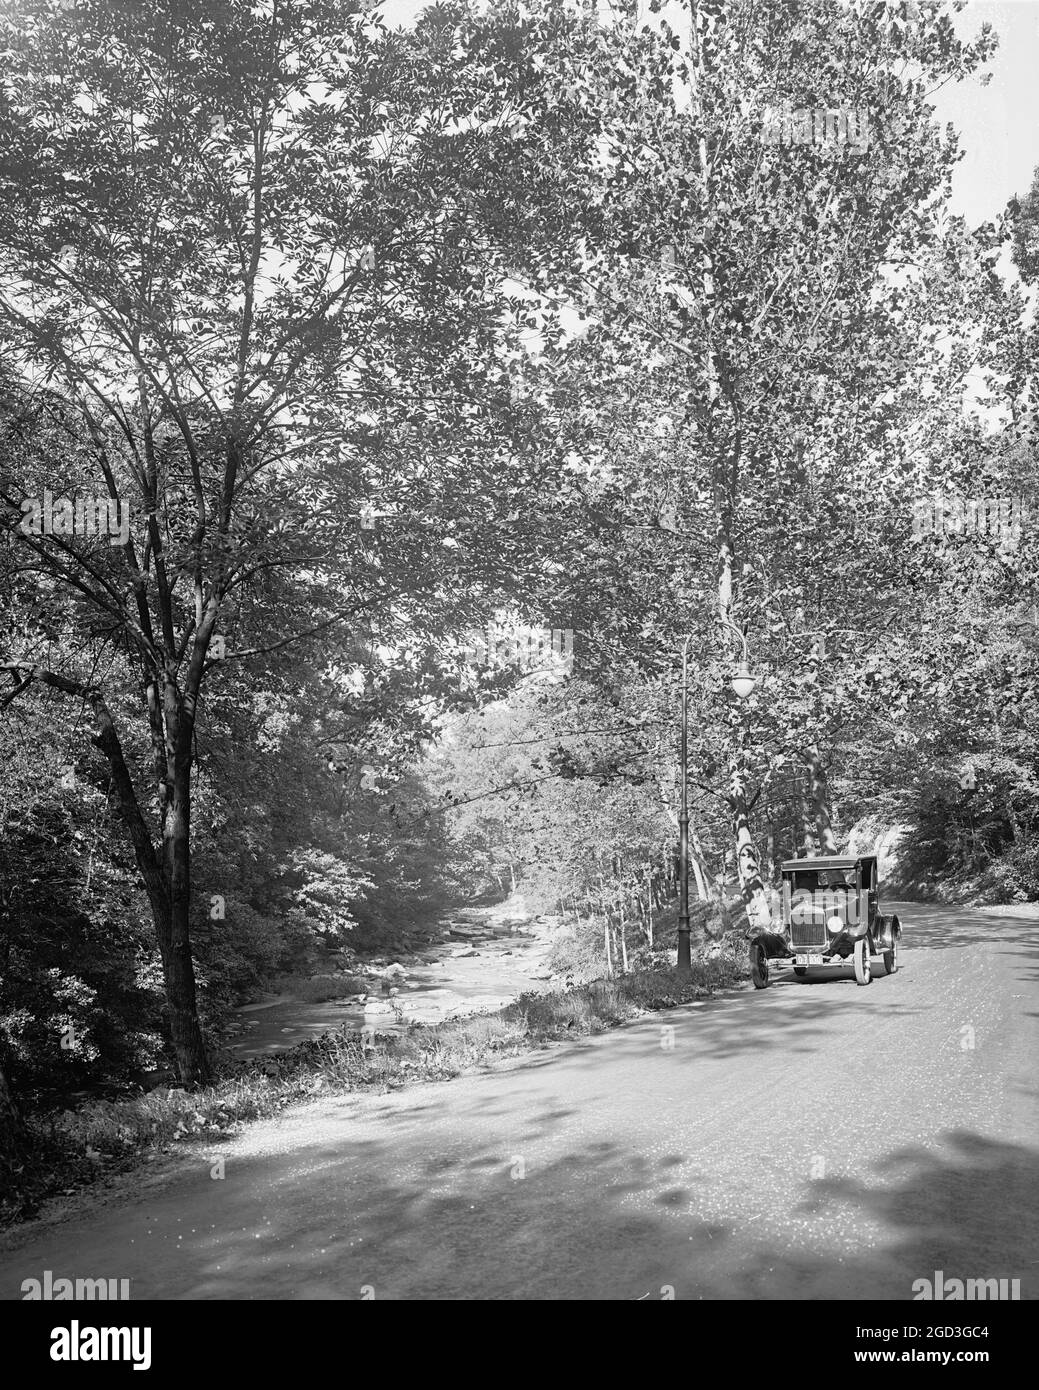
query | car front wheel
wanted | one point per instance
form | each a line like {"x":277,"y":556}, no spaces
{"x":758,"y":965}
{"x":863,"y":969}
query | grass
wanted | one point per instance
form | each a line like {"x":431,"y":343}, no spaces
{"x":101,"y":1137}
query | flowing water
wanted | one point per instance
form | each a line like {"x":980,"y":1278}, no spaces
{"x":443,"y":981}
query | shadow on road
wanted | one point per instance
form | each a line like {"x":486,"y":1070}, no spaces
{"x":927,"y":927}
{"x":599,"y":1221}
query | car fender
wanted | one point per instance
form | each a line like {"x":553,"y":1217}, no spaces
{"x":844,"y":942}
{"x":775,"y":944}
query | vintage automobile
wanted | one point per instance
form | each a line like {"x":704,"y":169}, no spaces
{"x":830,"y":912}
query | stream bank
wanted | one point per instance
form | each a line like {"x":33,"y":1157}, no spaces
{"x":486,"y":957}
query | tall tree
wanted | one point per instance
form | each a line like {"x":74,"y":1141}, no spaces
{"x":247,"y":281}
{"x":766,"y":183}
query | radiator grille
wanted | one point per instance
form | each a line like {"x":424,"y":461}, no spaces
{"x":808,"y":934}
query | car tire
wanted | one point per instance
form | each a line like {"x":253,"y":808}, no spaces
{"x":759,"y":972}
{"x":863,"y":967}
{"x":891,"y":958}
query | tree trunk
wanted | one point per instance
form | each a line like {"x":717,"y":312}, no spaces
{"x":697,"y":862}
{"x":819,"y":837}
{"x":699,"y":866}
{"x":167,"y":881}
{"x":178,"y":973}
{"x":818,"y":798}
{"x":649,"y":905}
{"x":723,"y":908}
{"x":606,"y":925}
{"x":174,"y":934}
{"x":11,"y":1129}
{"x":807,"y":819}
{"x":726,"y":484}
{"x":748,"y":864}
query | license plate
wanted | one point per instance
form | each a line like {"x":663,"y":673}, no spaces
{"x":808,"y":960}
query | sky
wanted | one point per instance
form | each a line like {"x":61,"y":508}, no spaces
{"x":998,"y":124}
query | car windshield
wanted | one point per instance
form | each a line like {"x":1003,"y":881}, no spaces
{"x":825,"y":878}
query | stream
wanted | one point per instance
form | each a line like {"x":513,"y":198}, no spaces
{"x":486,"y":958}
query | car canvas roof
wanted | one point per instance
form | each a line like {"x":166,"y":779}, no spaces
{"x":828,"y":861}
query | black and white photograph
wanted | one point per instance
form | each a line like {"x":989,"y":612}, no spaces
{"x":519,"y":671}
